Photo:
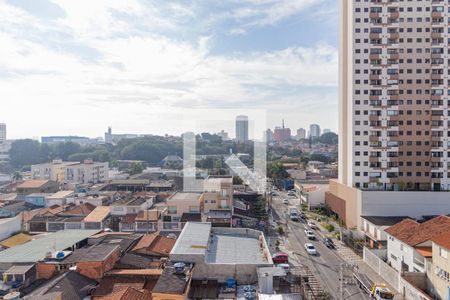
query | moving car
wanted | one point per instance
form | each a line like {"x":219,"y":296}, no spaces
{"x":280,"y":258}
{"x":310,"y":249}
{"x":285,"y":201}
{"x":329,"y":243}
{"x":310,"y":235}
{"x":291,"y":193}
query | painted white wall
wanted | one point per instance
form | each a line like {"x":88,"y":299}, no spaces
{"x":403,"y":252}
{"x":412,"y":204}
{"x":10,"y":226}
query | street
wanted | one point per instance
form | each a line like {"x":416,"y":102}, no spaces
{"x":326,"y":265}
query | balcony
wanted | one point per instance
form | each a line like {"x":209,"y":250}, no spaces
{"x":436,"y":76}
{"x":436,"y":55}
{"x":436,"y":14}
{"x":374,"y":15}
{"x":436,"y":35}
{"x":374,"y":77}
{"x":394,"y":35}
{"x":394,"y":15}
{"x":374,"y":97}
{"x":375,"y":35}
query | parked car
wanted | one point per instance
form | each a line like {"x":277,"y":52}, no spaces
{"x":309,"y":234}
{"x":329,"y":243}
{"x":294,"y":217}
{"x":285,"y":201}
{"x":291,"y":193}
{"x":285,"y":267}
{"x":312,"y":225}
{"x":310,"y":249}
{"x":280,"y":258}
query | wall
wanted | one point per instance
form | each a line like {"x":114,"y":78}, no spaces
{"x":412,"y":204}
{"x":96,"y":269}
{"x":10,"y":226}
{"x":410,"y":291}
{"x":36,"y":200}
{"x":345,"y":201}
{"x":45,"y":270}
{"x":381,"y":268}
{"x":440,"y":286}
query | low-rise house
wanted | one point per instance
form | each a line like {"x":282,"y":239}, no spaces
{"x":410,"y":243}
{"x":69,"y":285}
{"x":218,"y":193}
{"x":58,"y":198}
{"x":219,"y":218}
{"x":81,"y":210}
{"x":98,"y":218}
{"x":37,"y":199}
{"x":10,"y":226}
{"x":439,"y":271}
{"x":37,"y":186}
{"x":132,"y":205}
{"x":20,"y":275}
{"x":148,"y":220}
{"x":96,"y":200}
{"x":16,"y":208}
{"x":154,"y":244}
{"x":374,"y":227}
{"x":222,"y":253}
{"x":180,"y":203}
{"x":124,"y":287}
{"x":172,"y":284}
{"x":313,"y":195}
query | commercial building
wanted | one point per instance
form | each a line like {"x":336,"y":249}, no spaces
{"x":241,"y":129}
{"x":87,"y":172}
{"x":268,"y":135}
{"x":282,"y":134}
{"x":222,"y":253}
{"x":5,"y":146}
{"x":314,"y":131}
{"x":393,"y":110}
{"x":2,"y":133}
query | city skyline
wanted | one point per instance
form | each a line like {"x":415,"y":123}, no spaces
{"x":108,"y":65}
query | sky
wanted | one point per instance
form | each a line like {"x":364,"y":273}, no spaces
{"x":146,"y":66}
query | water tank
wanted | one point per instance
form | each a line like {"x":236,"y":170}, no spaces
{"x":179,"y":268}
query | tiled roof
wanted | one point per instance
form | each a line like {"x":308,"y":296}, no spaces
{"x":128,"y":219}
{"x":443,"y":240}
{"x":95,"y":253}
{"x":83,"y":209}
{"x":113,"y":284}
{"x":148,"y":215}
{"x":128,"y":293}
{"x":413,"y":233}
{"x":155,"y":243}
{"x":171,"y":283}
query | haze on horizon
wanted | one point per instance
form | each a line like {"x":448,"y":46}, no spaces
{"x":77,"y":67}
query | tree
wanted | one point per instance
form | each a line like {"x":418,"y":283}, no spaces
{"x":27,"y":152}
{"x":329,"y":138}
{"x":277,"y":170}
{"x":136,"y":168}
{"x":319,"y":157}
{"x":17,"y":176}
{"x":64,"y":150}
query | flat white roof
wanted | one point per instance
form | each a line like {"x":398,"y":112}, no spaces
{"x":193,"y":239}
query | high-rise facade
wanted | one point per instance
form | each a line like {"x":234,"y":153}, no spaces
{"x":393,"y":110}
{"x":282,"y":134}
{"x":314,"y":130}
{"x":241,"y":129}
{"x":394,"y":94}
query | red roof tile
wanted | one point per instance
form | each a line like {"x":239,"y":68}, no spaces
{"x":443,"y":240}
{"x":155,"y":243}
{"x":413,"y":233}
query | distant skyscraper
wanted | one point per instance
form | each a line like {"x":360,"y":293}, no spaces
{"x":326,"y":131}
{"x":314,"y":130}
{"x":241,"y":129}
{"x":268,"y":135}
{"x":2,"y":133}
{"x":282,"y":134}
{"x":301,"y":134}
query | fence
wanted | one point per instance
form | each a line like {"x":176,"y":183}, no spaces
{"x":377,"y":264}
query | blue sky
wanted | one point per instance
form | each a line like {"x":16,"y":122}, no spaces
{"x":76,"y":67}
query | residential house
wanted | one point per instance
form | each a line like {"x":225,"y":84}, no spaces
{"x":37,"y":199}
{"x":154,"y":244}
{"x":22,"y":275}
{"x":98,"y":218}
{"x":58,"y":198}
{"x":218,"y":193}
{"x":144,"y":221}
{"x":132,"y":205}
{"x":69,"y":285}
{"x":439,"y":271}
{"x":124,"y":287}
{"x":37,"y":186}
{"x":374,"y":227}
{"x":173,"y":285}
{"x":178,"y":204}
{"x":410,"y":243}
{"x":313,"y":195}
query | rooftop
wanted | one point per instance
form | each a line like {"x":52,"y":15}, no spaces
{"x":193,"y":239}
{"x":413,"y":233}
{"x":15,"y":240}
{"x":184,"y":197}
{"x":60,"y":195}
{"x":98,"y":214}
{"x":83,"y":209}
{"x":171,"y":283}
{"x":95,"y":253}
{"x":155,"y":243}
{"x":228,"y":248}
{"x":191,"y":217}
{"x":384,"y":221}
{"x":32,"y":184}
{"x":443,"y":240}
{"x":36,"y":250}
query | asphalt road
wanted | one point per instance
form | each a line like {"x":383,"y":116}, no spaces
{"x":326,"y":265}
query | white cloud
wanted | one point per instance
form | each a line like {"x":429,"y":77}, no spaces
{"x":139,"y":81}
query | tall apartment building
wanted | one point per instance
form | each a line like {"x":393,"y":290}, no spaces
{"x":314,"y":130}
{"x":4,"y":144}
{"x":2,"y":133}
{"x":393,"y":108}
{"x":282,"y":134}
{"x":241,"y":129}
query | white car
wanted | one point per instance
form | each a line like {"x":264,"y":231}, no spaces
{"x":310,"y":235}
{"x":285,"y":201}
{"x":310,"y":249}
{"x":285,"y":267}
{"x":312,"y":225}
